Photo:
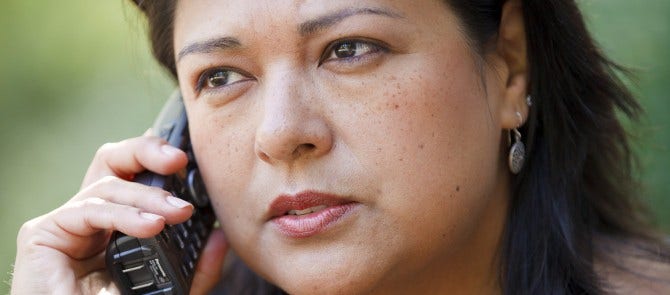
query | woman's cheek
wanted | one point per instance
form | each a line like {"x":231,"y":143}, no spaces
{"x":223,"y":158}
{"x":426,"y":124}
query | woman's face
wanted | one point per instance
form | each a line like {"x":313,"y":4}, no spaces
{"x":347,"y":146}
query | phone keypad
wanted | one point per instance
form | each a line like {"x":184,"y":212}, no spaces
{"x":148,"y":271}
{"x":189,"y":236}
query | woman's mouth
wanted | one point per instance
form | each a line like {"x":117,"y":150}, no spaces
{"x":308,"y":213}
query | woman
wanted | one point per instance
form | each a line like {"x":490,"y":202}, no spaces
{"x":377,"y":147}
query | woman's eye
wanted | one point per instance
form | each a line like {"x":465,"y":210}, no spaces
{"x":351,"y":49}
{"x":219,"y":78}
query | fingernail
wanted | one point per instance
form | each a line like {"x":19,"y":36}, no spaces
{"x":177,"y":202}
{"x":151,"y":216}
{"x":170,"y":150}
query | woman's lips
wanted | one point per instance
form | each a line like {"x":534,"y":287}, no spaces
{"x":308,"y":213}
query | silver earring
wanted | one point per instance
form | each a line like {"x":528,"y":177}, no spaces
{"x":517,"y":153}
{"x":529,"y":100}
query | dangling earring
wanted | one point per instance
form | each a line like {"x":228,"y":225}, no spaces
{"x":529,"y":100}
{"x":517,"y":153}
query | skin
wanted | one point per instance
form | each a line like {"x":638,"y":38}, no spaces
{"x":414,"y":133}
{"x":409,"y":132}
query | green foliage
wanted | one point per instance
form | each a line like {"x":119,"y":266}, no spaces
{"x":76,"y":74}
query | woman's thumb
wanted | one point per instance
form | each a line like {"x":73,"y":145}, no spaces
{"x":209,"y":268}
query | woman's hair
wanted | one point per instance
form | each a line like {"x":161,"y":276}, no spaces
{"x":577,"y":186}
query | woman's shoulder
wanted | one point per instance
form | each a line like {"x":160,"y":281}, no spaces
{"x":633,"y":266}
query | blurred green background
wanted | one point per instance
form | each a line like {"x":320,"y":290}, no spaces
{"x":76,"y":74}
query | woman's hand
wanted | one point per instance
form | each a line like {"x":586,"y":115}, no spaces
{"x":63,"y":251}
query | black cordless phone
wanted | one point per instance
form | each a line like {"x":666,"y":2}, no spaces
{"x":165,"y":263}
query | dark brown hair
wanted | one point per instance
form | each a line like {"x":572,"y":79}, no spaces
{"x":577,"y":186}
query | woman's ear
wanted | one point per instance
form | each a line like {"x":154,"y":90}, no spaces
{"x":511,"y":48}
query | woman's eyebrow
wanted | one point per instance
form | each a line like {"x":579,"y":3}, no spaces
{"x":208,"y":46}
{"x":309,"y":27}
{"x":313,"y":26}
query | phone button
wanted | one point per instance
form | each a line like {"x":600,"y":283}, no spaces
{"x":192,"y":252}
{"x":197,"y":188}
{"x":181,"y":228}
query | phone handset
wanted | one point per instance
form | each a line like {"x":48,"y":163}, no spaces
{"x":165,"y":263}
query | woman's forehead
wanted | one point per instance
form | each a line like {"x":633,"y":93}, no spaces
{"x":198,"y":20}
{"x":259,"y":14}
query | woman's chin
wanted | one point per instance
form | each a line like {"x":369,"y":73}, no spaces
{"x":326,"y":274}
{"x":318,"y":282}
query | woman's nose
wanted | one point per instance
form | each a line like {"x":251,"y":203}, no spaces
{"x":293,"y":126}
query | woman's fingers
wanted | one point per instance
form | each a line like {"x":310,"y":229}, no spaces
{"x":126,"y":158}
{"x":208,"y":270}
{"x":81,"y":227}
{"x":147,"y":198}
{"x":67,"y":245}
{"x":92,"y":215}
